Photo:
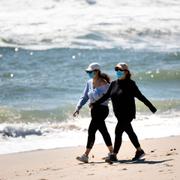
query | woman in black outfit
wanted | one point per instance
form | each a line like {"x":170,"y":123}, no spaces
{"x":122,"y":93}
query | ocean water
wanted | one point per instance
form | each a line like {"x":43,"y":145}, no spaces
{"x":45,"y":48}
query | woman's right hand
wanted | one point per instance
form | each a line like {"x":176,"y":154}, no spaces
{"x":76,"y":113}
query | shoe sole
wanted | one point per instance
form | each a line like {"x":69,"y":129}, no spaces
{"x":139,"y":157}
{"x":109,"y":161}
{"x":79,"y":159}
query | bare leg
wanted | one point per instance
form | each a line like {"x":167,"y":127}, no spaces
{"x":87,"y":152}
{"x":110,"y":149}
{"x":139,"y":149}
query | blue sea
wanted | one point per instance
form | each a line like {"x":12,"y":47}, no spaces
{"x":45,"y":47}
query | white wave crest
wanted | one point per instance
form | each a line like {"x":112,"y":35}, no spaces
{"x":49,"y":24}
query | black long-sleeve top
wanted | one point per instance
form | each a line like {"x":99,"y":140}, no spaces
{"x":122,"y":94}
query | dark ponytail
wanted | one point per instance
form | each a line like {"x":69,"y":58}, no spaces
{"x":128,"y":75}
{"x":104,"y":76}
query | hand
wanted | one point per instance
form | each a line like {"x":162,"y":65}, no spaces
{"x":76,"y":113}
{"x":153,"y":109}
{"x":91,"y":105}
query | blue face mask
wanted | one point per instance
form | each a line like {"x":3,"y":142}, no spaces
{"x":91,"y":74}
{"x":119,"y":74}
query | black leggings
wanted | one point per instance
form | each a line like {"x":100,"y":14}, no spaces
{"x":124,"y":125}
{"x":98,"y":114}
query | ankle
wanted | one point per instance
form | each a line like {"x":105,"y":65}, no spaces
{"x":85,"y":154}
{"x":139,"y":149}
{"x":110,"y":149}
{"x":113,"y":154}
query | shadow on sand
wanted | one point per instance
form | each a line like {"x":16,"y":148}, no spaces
{"x":140,"y":161}
{"x":143,"y":161}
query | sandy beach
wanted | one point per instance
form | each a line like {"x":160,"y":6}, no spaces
{"x":46,"y":47}
{"x":162,"y":161}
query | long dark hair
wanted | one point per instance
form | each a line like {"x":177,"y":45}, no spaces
{"x":128,"y":75}
{"x":104,"y":76}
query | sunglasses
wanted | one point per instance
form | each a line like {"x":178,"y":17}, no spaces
{"x":89,"y":72}
{"x":117,"y":69}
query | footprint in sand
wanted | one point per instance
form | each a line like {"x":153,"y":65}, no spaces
{"x":172,"y":152}
{"x":161,"y":171}
{"x":91,"y":174}
{"x":124,"y":169}
{"x":174,"y":149}
{"x":45,"y":169}
{"x":168,"y":165}
{"x":152,"y":151}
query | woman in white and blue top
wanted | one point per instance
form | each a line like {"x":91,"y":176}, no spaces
{"x":94,"y":89}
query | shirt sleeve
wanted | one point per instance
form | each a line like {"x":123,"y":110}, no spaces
{"x":142,"y":98}
{"x":104,"y":97}
{"x":84,"y":98}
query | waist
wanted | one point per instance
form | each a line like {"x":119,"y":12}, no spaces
{"x":100,"y":107}
{"x":105,"y":103}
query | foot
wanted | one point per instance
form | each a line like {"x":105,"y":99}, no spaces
{"x":138,"y":155}
{"x":83,"y":158}
{"x":111,"y":157}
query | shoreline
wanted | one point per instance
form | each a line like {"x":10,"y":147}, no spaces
{"x":162,"y":161}
{"x":125,"y":140}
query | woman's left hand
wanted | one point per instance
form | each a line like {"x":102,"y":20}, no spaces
{"x":153,"y":109}
{"x":90,"y":105}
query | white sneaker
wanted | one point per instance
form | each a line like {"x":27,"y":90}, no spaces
{"x":83,"y":158}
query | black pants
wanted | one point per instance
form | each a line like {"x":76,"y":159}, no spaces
{"x":98,"y":114}
{"x":124,"y":125}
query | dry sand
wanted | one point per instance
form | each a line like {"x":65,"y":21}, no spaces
{"x":162,"y":162}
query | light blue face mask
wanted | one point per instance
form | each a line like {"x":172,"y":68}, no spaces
{"x":91,"y":74}
{"x":119,"y":74}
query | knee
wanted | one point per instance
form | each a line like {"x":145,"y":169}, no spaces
{"x":91,"y":133}
{"x":118,"y":133}
{"x":118,"y":130}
